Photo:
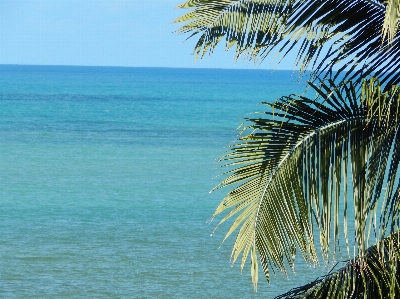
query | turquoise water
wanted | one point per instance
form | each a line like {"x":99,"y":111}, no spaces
{"x":104,"y":180}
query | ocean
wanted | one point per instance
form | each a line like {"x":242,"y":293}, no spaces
{"x":105,"y":175}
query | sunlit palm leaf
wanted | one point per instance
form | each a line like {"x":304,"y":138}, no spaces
{"x":360,"y":36}
{"x":304,"y":165}
{"x":392,"y":19}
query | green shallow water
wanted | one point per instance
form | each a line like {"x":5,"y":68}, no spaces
{"x":104,"y":180}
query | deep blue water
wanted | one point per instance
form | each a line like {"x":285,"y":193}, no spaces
{"x":104,"y":180}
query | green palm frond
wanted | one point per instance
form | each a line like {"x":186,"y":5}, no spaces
{"x":392,"y":19}
{"x":358,"y":36}
{"x":304,"y":165}
{"x":373,"y":276}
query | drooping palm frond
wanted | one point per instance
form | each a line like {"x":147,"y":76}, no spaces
{"x":392,"y":19}
{"x":360,"y":37}
{"x":304,"y":165}
{"x":374,"y":275}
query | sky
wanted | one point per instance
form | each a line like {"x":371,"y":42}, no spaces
{"x":128,"y":33}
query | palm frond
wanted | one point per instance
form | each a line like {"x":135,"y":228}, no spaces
{"x":392,"y":19}
{"x":360,"y":37}
{"x":374,"y":275}
{"x":304,"y":164}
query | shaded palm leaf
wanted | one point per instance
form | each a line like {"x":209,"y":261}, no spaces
{"x":358,"y":36}
{"x":303,"y":165}
{"x":374,"y":275}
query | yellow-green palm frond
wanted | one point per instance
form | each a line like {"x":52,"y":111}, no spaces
{"x":307,"y":174}
{"x":360,"y":37}
{"x":392,"y":19}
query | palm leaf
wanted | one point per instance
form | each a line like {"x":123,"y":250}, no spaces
{"x":360,"y":37}
{"x":378,"y":276}
{"x":304,"y":165}
{"x":392,"y":18}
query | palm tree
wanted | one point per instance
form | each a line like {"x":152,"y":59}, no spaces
{"x":359,"y":35}
{"x":310,"y":175}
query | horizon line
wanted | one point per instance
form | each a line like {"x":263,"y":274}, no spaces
{"x":166,"y":67}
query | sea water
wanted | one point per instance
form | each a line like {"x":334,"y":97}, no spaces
{"x":105,"y":176}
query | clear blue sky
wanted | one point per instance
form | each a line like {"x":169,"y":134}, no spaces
{"x":103,"y":32}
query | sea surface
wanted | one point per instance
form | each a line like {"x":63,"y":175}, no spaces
{"x":105,"y":176}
